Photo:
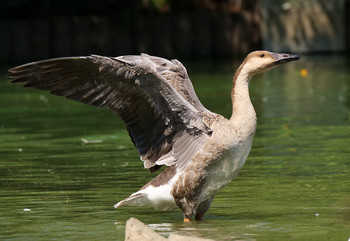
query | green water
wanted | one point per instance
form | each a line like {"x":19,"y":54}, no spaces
{"x":295,"y":184}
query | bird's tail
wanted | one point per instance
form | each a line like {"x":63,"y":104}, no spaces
{"x":135,"y":199}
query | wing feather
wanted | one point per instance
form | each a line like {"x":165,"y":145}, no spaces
{"x":163,"y":118}
{"x":175,"y":73}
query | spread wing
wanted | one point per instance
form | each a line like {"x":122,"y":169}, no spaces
{"x":153,"y":96}
{"x":175,"y":73}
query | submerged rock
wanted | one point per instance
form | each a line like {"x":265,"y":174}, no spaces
{"x":136,"y":230}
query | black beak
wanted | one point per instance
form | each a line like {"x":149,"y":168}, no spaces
{"x":284,"y":58}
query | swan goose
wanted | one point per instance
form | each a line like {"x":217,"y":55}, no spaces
{"x":166,"y":121}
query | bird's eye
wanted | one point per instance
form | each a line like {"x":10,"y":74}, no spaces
{"x":262,"y":55}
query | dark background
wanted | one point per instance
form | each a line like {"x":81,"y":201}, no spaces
{"x":39,"y":29}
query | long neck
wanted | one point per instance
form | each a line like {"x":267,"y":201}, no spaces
{"x":243,"y":113}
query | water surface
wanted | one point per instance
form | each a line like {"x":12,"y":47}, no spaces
{"x":295,"y":184}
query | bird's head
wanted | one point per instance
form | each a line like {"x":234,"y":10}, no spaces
{"x":258,"y":62}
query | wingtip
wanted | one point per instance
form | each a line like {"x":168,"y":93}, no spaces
{"x":13,"y":75}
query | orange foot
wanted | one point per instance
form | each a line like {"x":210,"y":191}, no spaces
{"x":187,"y":220}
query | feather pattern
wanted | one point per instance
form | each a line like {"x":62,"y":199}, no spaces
{"x":153,"y":96}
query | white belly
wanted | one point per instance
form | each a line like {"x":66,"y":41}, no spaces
{"x":225,"y":169}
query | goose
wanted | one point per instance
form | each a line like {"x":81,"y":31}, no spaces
{"x":202,"y":151}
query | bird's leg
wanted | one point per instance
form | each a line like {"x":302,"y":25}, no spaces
{"x":187,"y":208}
{"x":199,"y":216}
{"x":202,"y":208}
{"x":186,"y":193}
{"x":188,"y":213}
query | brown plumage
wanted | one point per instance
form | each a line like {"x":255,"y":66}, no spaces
{"x":165,"y":120}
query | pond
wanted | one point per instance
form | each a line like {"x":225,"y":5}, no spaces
{"x":63,"y":165}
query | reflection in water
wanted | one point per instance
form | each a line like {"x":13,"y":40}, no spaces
{"x":164,"y":229}
{"x":294,"y":184}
